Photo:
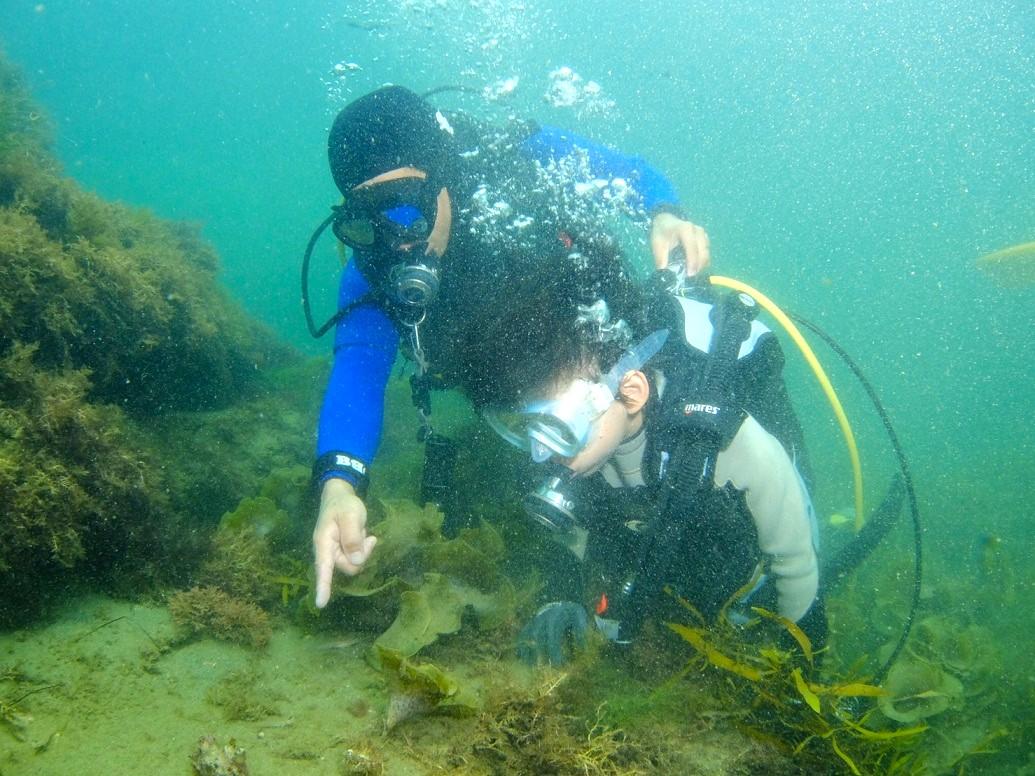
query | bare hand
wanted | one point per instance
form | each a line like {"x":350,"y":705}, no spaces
{"x":340,"y":538}
{"x":668,"y":232}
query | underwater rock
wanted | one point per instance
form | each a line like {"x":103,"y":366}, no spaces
{"x":916,"y":690}
{"x":111,"y":319}
{"x":211,"y":759}
{"x":137,"y":302}
{"x":357,"y":762}
{"x":79,"y":494}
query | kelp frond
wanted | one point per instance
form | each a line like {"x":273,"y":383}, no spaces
{"x":785,"y":702}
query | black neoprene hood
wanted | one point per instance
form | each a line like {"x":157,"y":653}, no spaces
{"x":388,"y":128}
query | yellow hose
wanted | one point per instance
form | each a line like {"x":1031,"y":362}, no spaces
{"x":821,"y":376}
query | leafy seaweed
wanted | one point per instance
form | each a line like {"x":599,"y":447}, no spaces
{"x":426,"y":582}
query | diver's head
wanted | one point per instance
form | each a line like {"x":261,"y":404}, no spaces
{"x":580,"y":418}
{"x":556,"y":367}
{"x":576,"y":427}
{"x":392,"y":157}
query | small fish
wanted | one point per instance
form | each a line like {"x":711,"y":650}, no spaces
{"x":339,"y":645}
{"x":278,"y":724}
{"x":1012,"y":267}
{"x":364,"y":25}
{"x":842,"y":517}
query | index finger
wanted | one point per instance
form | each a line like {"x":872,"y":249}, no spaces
{"x":324,"y":570}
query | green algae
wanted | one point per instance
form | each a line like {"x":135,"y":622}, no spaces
{"x":255,"y":553}
{"x":423,"y":584}
{"x":420,"y":689}
{"x":244,"y":696}
{"x":818,"y":717}
{"x":113,"y":322}
{"x":209,"y":612}
{"x":918,"y":690}
{"x":259,"y":516}
{"x":75,"y":489}
{"x":426,"y":613}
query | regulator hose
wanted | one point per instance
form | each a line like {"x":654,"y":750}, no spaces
{"x":907,"y":478}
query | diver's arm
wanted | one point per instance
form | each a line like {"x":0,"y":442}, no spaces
{"x":669,"y":226}
{"x":655,"y":190}
{"x":756,"y":463}
{"x":349,"y":433}
{"x":365,"y":346}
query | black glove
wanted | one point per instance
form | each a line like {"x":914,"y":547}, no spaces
{"x":556,"y":626}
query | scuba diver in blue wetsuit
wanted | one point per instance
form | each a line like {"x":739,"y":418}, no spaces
{"x":444,"y":216}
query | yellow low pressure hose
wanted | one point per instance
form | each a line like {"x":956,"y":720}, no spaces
{"x":821,"y":376}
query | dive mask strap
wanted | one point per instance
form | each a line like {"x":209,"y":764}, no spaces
{"x":635,"y":358}
{"x":442,"y":227}
{"x":561,"y":425}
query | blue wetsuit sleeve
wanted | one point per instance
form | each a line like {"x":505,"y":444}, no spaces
{"x":365,"y":346}
{"x":551,"y":143}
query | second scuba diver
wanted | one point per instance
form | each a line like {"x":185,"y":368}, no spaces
{"x":674,"y":458}
{"x":436,"y":248}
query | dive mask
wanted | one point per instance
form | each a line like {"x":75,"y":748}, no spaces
{"x":397,"y":229}
{"x":392,"y":214}
{"x":562,"y":425}
{"x":559,"y":426}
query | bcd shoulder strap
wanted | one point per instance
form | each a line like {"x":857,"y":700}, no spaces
{"x":704,"y":420}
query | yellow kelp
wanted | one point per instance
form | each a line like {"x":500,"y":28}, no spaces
{"x":791,"y":627}
{"x":782,"y":700}
{"x":695,"y":637}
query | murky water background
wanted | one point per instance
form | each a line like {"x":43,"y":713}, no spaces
{"x":850,"y":159}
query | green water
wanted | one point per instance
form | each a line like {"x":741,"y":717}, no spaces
{"x":850,"y":159}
